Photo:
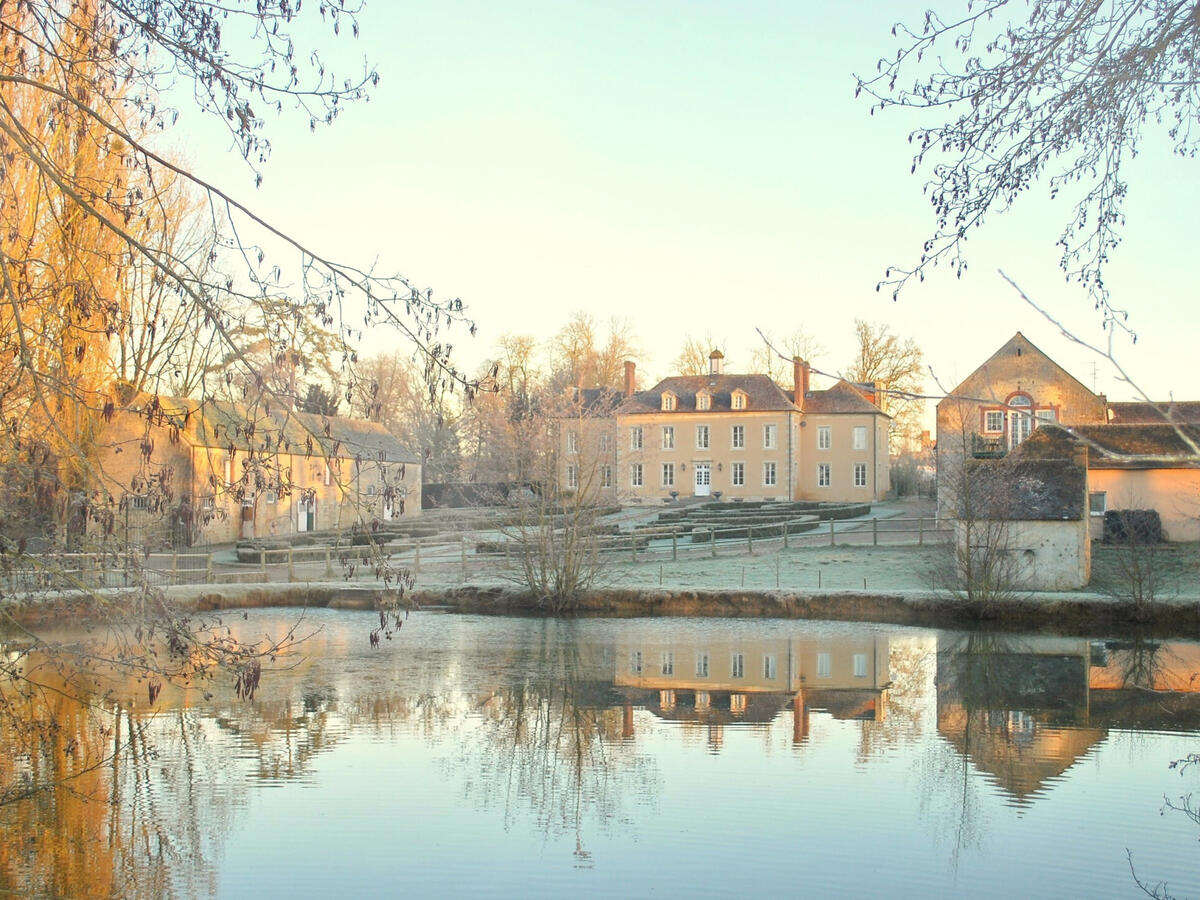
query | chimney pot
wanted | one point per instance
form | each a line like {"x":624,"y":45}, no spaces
{"x":630,"y":377}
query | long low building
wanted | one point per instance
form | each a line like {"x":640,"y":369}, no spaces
{"x":191,"y":472}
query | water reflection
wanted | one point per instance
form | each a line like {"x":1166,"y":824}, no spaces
{"x":573,"y":732}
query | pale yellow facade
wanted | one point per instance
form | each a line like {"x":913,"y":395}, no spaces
{"x":747,"y":454}
{"x":844,"y":458}
{"x":735,"y":437}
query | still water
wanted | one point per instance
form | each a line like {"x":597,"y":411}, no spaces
{"x":507,"y":757}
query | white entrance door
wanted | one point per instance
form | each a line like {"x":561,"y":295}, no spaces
{"x":703,"y":479}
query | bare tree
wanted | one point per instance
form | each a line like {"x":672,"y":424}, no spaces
{"x":557,"y":533}
{"x":1057,"y":94}
{"x":896,"y":366}
{"x":409,"y":398}
{"x":584,"y":356}
{"x":773,"y":358}
{"x":982,"y":571}
{"x":694,"y":354}
{"x":93,"y":236}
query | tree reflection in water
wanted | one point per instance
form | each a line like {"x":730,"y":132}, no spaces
{"x":553,"y":739}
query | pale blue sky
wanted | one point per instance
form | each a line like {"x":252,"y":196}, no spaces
{"x":691,"y":167}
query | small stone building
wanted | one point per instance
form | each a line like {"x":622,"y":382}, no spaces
{"x":1030,"y":508}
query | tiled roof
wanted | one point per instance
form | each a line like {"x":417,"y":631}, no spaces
{"x":1027,"y":489}
{"x":357,"y":437}
{"x":1186,"y":412}
{"x":761,"y":392}
{"x":843,"y":397}
{"x":221,"y":424}
{"x":593,"y":402}
{"x":1140,"y":446}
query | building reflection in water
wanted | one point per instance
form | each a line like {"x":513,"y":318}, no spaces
{"x":716,"y":683}
{"x":1024,"y":710}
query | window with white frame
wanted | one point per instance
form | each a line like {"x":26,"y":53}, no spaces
{"x":738,"y":400}
{"x":737,"y":474}
{"x":668,"y":474}
{"x":229,"y":472}
{"x":572,"y":441}
{"x":1097,"y":503}
{"x":860,"y":474}
{"x":668,"y":401}
{"x":823,"y":471}
{"x":328,"y":475}
{"x":635,"y":437}
{"x":701,"y":437}
{"x":860,"y":665}
{"x":860,"y":437}
{"x":993,"y":421}
{"x":737,"y":703}
{"x":739,"y":437}
{"x":824,"y":437}
{"x":824,"y":665}
{"x":271,"y":496}
{"x":769,"y":474}
{"x":572,"y":476}
{"x":606,"y":476}
{"x":702,"y":664}
{"x":635,"y":662}
{"x":768,"y":437}
{"x":668,"y":662}
{"x":604,"y":442}
{"x":769,"y":666}
{"x":1046,"y":417}
{"x":668,"y":437}
{"x":635,"y":475}
{"x":703,"y":401}
{"x":737,"y":665}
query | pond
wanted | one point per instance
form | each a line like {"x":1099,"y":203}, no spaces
{"x":503,"y":757}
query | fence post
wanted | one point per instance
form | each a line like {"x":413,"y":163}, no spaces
{"x":291,"y":566}
{"x":633,"y":547}
{"x":712,"y":540}
{"x":208,"y":569}
{"x":417,"y":556}
{"x":831,"y":543}
{"x":674,"y":547}
{"x":174,"y":567}
{"x":786,"y":528}
{"x":750,"y":539}
{"x":262,"y":562}
{"x":875,"y":531}
{"x":328,"y":561}
{"x":920,"y":532}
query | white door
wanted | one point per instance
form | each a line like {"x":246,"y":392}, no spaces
{"x":1019,"y":426}
{"x":703,"y":479}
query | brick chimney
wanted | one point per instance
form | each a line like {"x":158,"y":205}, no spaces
{"x":799,"y":380}
{"x":630,"y":377}
{"x":714,"y":363}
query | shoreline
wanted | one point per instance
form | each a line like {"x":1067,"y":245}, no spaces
{"x":1059,"y":613}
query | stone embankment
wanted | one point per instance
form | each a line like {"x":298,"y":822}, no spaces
{"x":1060,"y":613}
{"x":1073,"y":613}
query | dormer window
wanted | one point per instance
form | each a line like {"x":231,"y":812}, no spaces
{"x":738,"y":400}
{"x":668,"y":401}
{"x":704,"y":400}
